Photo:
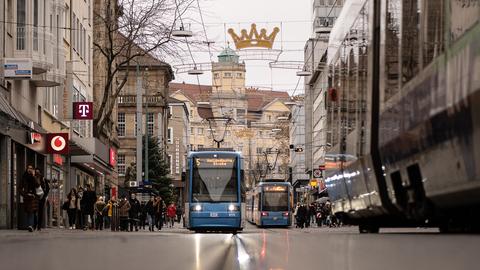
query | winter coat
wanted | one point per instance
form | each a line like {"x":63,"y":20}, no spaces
{"x":134,"y":208}
{"x":171,"y":211}
{"x":158,"y":206}
{"x":149,"y":208}
{"x":45,"y":186}
{"x":124,"y":207}
{"x":99,"y":206}
{"x":27,"y":190}
{"x":88,"y":201}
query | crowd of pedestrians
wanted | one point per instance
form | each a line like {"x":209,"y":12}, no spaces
{"x":88,"y":211}
{"x":319,"y":214}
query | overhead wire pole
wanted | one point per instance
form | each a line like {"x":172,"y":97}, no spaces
{"x":139,"y":125}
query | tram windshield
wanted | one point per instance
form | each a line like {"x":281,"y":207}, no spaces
{"x":275,"y":199}
{"x":215,"y":179}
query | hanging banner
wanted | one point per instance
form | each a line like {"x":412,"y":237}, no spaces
{"x":57,"y":143}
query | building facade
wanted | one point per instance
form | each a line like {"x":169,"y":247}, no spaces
{"x":177,"y":143}
{"x":317,"y":85}
{"x":252,"y":118}
{"x":155,"y":76}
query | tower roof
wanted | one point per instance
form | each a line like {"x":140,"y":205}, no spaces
{"x":228,"y":56}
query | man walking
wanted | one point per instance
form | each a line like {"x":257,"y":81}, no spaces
{"x":88,"y":203}
{"x":133,"y":213}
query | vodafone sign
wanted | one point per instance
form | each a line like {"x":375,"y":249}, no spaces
{"x":57,"y":143}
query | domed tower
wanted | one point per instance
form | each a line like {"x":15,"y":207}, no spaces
{"x":228,"y":74}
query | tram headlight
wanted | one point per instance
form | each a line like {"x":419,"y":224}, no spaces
{"x":232,"y":208}
{"x":197,"y":208}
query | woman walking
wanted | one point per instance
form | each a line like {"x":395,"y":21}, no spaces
{"x":72,"y":208}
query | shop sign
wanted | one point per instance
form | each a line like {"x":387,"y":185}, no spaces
{"x":34,"y":137}
{"x":113,"y":192}
{"x":57,"y":143}
{"x":58,"y":159}
{"x":313,"y":183}
{"x":83,"y":110}
{"x":17,"y":68}
{"x":113,"y":157}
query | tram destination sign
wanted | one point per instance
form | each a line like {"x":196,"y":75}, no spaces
{"x":214,"y":162}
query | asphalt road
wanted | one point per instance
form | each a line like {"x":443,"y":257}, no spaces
{"x":314,"y":248}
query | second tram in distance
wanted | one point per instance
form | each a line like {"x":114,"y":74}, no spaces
{"x":270,"y":204}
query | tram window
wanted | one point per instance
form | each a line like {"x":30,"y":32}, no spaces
{"x":410,"y":43}
{"x":416,"y":182}
{"x":392,"y":41}
{"x":433,"y":14}
{"x":400,"y":192}
{"x":214,"y":180}
{"x":463,"y":15}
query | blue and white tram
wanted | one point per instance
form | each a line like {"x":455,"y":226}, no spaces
{"x":270,"y":204}
{"x":215,"y":191}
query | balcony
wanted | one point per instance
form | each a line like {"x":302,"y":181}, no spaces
{"x":47,"y":56}
{"x":151,"y":100}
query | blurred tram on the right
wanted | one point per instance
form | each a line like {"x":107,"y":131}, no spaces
{"x":403,"y":99}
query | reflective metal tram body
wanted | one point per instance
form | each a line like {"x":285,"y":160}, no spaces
{"x":423,"y":163}
{"x":215,"y":191}
{"x":270,"y":204}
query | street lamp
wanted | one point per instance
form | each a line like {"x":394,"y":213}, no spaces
{"x":195,"y":71}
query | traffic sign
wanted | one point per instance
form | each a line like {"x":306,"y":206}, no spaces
{"x":317,"y":173}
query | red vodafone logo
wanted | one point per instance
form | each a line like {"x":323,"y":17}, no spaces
{"x":57,"y":143}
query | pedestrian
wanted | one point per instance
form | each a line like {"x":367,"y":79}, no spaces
{"x":88,"y":202}
{"x":71,"y":206}
{"x":150,"y":209}
{"x":179,"y":213}
{"x":133,"y":212}
{"x":80,"y":217}
{"x":99,"y":211}
{"x":159,"y":206}
{"x":124,"y":207}
{"x":171,"y":214}
{"x":28,"y":190}
{"x":39,"y":222}
{"x":311,"y":213}
{"x":142,"y":215}
{"x":295,"y":214}
{"x":109,"y":222}
{"x":301,"y":216}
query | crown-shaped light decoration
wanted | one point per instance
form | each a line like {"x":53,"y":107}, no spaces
{"x":254,"y":39}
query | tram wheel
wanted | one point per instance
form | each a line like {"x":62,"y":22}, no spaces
{"x":368,"y":228}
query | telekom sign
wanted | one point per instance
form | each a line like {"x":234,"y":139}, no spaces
{"x":83,"y":110}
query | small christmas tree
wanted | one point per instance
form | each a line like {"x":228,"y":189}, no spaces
{"x":158,"y":169}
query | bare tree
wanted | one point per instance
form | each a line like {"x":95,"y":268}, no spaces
{"x":125,"y":31}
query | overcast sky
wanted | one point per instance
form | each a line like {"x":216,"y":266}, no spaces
{"x":293,"y":17}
